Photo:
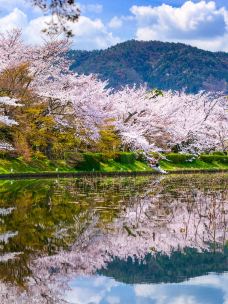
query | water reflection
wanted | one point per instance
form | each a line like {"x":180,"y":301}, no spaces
{"x":210,"y":289}
{"x":127,"y":233}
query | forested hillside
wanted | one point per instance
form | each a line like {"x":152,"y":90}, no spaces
{"x":162,"y":65}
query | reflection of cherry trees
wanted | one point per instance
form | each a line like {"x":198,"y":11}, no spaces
{"x":168,"y":215}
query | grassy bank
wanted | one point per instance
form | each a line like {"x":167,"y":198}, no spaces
{"x":175,"y":162}
{"x":122,"y":162}
{"x":18,"y":165}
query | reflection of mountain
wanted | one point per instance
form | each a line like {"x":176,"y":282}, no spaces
{"x":76,"y":227}
{"x":162,"y":268}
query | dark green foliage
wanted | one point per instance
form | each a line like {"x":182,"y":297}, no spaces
{"x":90,"y":162}
{"x":161,"y":65}
{"x":219,"y":153}
{"x":125,"y":158}
{"x":214,"y":158}
{"x":179,"y":158}
{"x":207,"y":158}
{"x":73,"y":158}
{"x":175,"y":268}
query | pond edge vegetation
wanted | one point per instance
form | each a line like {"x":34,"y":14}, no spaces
{"x":121,"y":163}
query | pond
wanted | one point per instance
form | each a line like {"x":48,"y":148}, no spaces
{"x":156,"y":239}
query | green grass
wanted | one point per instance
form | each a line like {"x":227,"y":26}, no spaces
{"x":18,"y":165}
{"x":194,"y":165}
{"x":113,"y":166}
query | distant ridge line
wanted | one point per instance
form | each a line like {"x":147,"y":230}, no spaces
{"x":163,"y":65}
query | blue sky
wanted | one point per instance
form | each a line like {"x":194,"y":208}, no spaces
{"x":103,"y":23}
{"x":121,"y":7}
{"x":210,"y":289}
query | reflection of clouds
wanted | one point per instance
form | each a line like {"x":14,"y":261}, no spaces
{"x":210,"y":280}
{"x":213,"y":281}
{"x":113,"y":300}
{"x":210,"y":289}
{"x":184,"y":300}
{"x":159,"y":297}
{"x":83,"y":296}
{"x":92,"y":290}
{"x":149,"y":291}
{"x":149,"y":222}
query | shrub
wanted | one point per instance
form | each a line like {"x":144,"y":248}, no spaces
{"x":39,"y":155}
{"x":219,"y":153}
{"x":109,"y":155}
{"x":214,"y":158}
{"x":125,"y":157}
{"x":179,"y":158}
{"x":4,"y":154}
{"x":90,"y":162}
{"x":74,"y":158}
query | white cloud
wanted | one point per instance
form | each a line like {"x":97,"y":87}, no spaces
{"x":16,"y":19}
{"x":115,"y":22}
{"x":201,"y":24}
{"x":32,"y":32}
{"x":89,"y":33}
{"x":92,"y":34}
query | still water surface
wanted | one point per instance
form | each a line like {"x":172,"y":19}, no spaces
{"x":159,"y":239}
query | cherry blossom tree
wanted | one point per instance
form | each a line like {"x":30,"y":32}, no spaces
{"x":44,"y":61}
{"x":195,"y":123}
{"x":83,"y":100}
{"x":75,"y":100}
{"x":7,"y":102}
{"x":144,"y":120}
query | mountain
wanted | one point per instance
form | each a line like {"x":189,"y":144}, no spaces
{"x":161,"y":65}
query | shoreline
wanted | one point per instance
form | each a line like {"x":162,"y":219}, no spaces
{"x":49,"y":175}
